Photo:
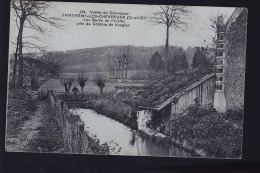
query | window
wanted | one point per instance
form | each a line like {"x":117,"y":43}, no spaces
{"x":219,"y":87}
{"x":221,"y":28}
{"x":220,"y":45}
{"x":219,"y":78}
{"x":220,"y":70}
{"x":220,"y":61}
{"x":220,"y":37}
{"x":220,"y":53}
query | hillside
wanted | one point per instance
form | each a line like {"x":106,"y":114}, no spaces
{"x":95,"y":59}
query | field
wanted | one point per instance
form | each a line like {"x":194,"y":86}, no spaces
{"x":90,"y":87}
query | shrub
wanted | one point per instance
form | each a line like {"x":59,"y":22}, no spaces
{"x":206,"y":129}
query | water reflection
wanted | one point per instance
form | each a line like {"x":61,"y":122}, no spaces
{"x":123,"y":140}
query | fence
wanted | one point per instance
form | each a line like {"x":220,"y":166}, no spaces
{"x":74,"y":136}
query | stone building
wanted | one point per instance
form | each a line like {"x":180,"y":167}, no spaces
{"x":230,"y":61}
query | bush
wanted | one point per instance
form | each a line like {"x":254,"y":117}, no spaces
{"x":206,"y":129}
{"x":115,"y":109}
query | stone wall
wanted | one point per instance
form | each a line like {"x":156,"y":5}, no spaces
{"x":236,"y":58}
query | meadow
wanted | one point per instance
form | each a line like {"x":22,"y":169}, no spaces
{"x":55,"y":84}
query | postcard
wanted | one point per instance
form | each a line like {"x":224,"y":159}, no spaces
{"x":126,"y":79}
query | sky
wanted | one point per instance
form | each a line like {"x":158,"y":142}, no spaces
{"x":140,"y":32}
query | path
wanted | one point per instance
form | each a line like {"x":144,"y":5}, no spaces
{"x":28,"y":131}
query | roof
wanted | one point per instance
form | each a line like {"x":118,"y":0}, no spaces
{"x":179,"y":94}
{"x":160,"y":94}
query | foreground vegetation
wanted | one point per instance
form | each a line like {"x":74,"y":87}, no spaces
{"x":115,"y":107}
{"x":219,"y":135}
{"x":32,"y":127}
{"x":20,"y":109}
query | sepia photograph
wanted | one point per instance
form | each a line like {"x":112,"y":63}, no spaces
{"x":126,"y":79}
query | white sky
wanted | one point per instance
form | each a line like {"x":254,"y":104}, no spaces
{"x":140,"y":33}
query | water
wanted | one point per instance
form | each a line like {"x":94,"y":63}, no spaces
{"x":123,"y":140}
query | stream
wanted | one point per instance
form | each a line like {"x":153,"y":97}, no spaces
{"x":122,"y":140}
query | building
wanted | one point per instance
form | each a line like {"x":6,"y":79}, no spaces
{"x":223,"y":89}
{"x":230,"y":61}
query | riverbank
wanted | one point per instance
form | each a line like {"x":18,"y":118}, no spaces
{"x":114,"y":106}
{"x":207,"y":132}
{"x":33,"y":127}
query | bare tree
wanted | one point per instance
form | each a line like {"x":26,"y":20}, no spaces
{"x":100,"y":81}
{"x":67,"y":83}
{"x":171,"y":16}
{"x":214,"y":27}
{"x":29,"y":14}
{"x":82,"y":79}
{"x":39,"y":69}
{"x":119,"y":62}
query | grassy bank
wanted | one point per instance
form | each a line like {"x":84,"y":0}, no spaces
{"x":219,"y":135}
{"x":49,"y":138}
{"x":32,"y":127}
{"x":20,"y":109}
{"x":115,"y":107}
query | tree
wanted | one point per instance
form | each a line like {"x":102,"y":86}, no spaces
{"x":118,"y":62}
{"x":200,"y":59}
{"x":156,"y":63}
{"x":184,"y":62}
{"x":100,"y":81}
{"x":29,"y":14}
{"x":171,"y":16}
{"x":67,"y":83}
{"x":40,"y":69}
{"x":214,"y":27}
{"x":82,"y":79}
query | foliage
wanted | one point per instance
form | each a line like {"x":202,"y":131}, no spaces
{"x":29,"y":15}
{"x":200,"y":59}
{"x":204,"y":128}
{"x":178,"y":63}
{"x":82,"y":79}
{"x":20,"y":109}
{"x":67,"y":83}
{"x":39,"y":69}
{"x":116,"y":108}
{"x":100,"y":81}
{"x":156,"y":63}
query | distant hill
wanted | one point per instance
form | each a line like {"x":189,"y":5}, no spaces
{"x":95,"y":59}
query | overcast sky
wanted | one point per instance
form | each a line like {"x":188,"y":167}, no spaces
{"x":140,"y":32}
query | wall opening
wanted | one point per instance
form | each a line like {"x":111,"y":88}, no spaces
{"x":220,"y":45}
{"x":220,"y":70}
{"x":219,"y":87}
{"x":219,"y":53}
{"x":219,"y":78}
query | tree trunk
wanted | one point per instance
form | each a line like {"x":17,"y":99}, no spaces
{"x":101,"y":90}
{"x":82,"y":89}
{"x":15,"y":66}
{"x":167,"y":41}
{"x":20,"y":49}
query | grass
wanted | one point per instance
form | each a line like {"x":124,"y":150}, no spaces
{"x":90,"y":87}
{"x":114,"y":107}
{"x":20,"y":109}
{"x":49,"y":138}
